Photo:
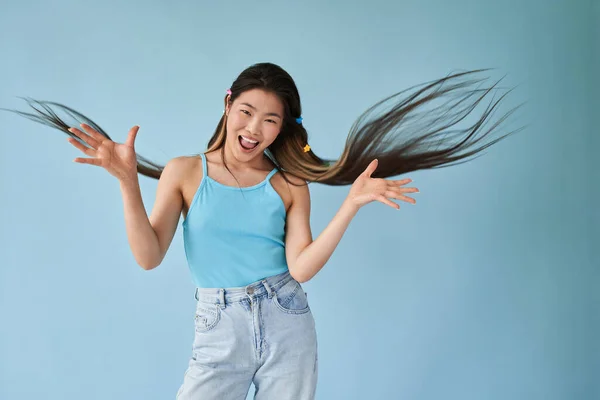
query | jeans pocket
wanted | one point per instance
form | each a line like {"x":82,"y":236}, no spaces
{"x":207,"y":317}
{"x":291,"y":298}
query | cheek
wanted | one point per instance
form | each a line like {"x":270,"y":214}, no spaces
{"x":233,"y":123}
{"x":271,"y":134}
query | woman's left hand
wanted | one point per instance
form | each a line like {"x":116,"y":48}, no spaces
{"x":366,"y":189}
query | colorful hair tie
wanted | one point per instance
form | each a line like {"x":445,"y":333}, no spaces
{"x":229,"y":92}
{"x":306,"y":148}
{"x":299,"y":120}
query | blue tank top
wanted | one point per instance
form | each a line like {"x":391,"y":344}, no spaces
{"x":234,"y":236}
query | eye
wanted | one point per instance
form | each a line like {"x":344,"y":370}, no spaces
{"x":245,"y":112}
{"x":270,"y":120}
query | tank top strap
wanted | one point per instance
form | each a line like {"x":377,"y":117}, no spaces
{"x":273,"y":172}
{"x":204,"y":168}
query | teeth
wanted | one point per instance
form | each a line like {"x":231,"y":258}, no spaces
{"x":248,"y":140}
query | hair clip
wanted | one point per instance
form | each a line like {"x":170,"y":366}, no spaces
{"x":229,"y":92}
{"x":306,"y":148}
{"x":299,"y":120}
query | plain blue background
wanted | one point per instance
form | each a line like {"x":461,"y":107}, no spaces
{"x":486,"y":289}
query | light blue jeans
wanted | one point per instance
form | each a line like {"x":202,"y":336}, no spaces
{"x":263,"y":333}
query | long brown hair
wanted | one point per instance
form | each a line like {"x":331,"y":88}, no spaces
{"x":402,"y":131}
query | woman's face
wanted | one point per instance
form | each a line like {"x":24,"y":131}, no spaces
{"x":255,"y":115}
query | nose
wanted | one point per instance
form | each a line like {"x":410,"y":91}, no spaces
{"x":253,"y":126}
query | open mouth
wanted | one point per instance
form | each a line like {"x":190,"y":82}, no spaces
{"x":247,"y":144}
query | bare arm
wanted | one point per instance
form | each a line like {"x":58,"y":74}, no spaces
{"x":306,"y":257}
{"x":150,"y":237}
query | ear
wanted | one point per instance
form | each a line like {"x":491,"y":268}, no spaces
{"x":227,"y":104}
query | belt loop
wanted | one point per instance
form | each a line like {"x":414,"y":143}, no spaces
{"x":269,"y":290}
{"x":222,"y":298}
{"x":196,"y":294}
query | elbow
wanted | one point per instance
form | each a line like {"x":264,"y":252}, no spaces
{"x":148,"y":265}
{"x":300,"y":278}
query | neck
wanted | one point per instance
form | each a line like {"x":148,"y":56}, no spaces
{"x":256,"y":162}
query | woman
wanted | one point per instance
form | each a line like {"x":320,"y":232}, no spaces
{"x":246,"y":206}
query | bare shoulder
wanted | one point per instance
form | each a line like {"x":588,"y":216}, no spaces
{"x":183,"y":163}
{"x":298,"y":188}
{"x":295,"y":182}
{"x":187,"y":173}
{"x":287,"y":191}
{"x":180,"y":169}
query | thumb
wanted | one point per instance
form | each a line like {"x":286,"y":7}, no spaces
{"x":132,"y":135}
{"x":371,"y":168}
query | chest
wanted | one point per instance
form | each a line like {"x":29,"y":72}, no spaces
{"x":192,"y":181}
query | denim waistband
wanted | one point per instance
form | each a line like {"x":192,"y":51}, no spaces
{"x":223,"y":296}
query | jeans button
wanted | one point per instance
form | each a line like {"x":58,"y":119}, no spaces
{"x":250,"y":290}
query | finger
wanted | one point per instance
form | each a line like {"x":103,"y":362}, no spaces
{"x":371,"y":168}
{"x":131,"y":136}
{"x":384,"y":200}
{"x":86,"y":138}
{"x":395,"y":195}
{"x":400,"y":190}
{"x":86,"y":150}
{"x":393,"y":185}
{"x":407,"y":199}
{"x":93,"y":133}
{"x":91,"y":161}
{"x":400,"y":182}
{"x":407,"y":190}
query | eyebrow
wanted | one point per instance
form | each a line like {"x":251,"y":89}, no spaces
{"x":254,"y":108}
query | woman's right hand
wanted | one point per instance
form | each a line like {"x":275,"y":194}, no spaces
{"x":118,"y":159}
